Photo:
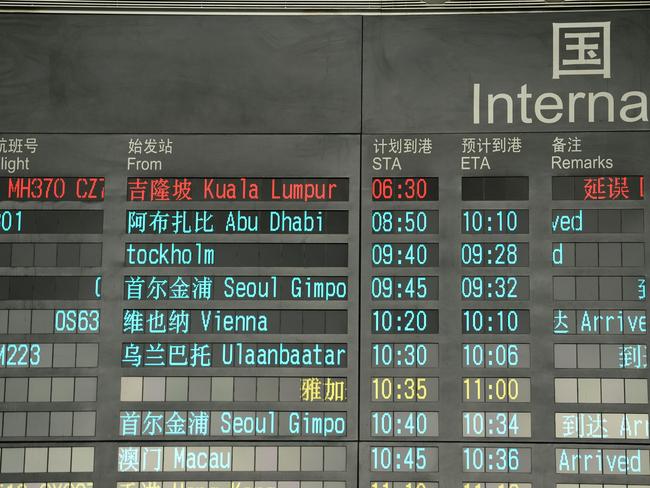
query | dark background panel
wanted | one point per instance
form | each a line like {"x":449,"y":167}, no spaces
{"x":179,"y":74}
{"x":419,"y":71}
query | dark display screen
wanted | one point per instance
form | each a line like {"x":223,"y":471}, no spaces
{"x":324,"y":251}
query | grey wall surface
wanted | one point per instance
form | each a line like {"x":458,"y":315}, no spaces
{"x":179,"y":74}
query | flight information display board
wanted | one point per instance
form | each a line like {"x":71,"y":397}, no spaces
{"x":324,"y":252}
